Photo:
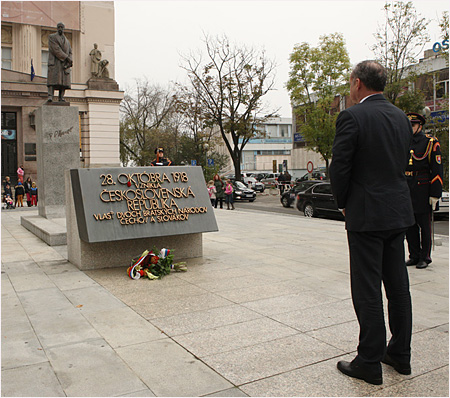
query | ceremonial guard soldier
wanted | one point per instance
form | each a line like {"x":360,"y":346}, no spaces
{"x":424,"y":176}
{"x":160,"y":159}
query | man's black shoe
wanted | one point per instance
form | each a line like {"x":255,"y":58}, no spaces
{"x":353,"y":370}
{"x":421,"y":264}
{"x":412,"y":262}
{"x":403,"y":368}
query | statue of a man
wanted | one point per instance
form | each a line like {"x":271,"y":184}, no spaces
{"x":96,"y":56}
{"x":59,"y":63}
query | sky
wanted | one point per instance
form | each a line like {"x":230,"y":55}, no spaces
{"x":152,"y":35}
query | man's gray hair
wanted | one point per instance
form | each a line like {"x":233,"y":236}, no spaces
{"x":372,"y":74}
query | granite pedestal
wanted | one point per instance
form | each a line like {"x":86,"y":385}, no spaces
{"x":57,"y":147}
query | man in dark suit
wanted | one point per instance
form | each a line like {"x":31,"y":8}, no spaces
{"x":367,"y":172}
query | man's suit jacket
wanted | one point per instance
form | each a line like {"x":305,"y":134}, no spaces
{"x":367,"y":172}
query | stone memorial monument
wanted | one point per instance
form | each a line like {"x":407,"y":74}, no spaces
{"x":57,"y":145}
{"x":114,"y":214}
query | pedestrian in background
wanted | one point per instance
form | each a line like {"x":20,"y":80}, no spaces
{"x":34,"y":194}
{"x":229,"y":195}
{"x":212,"y":192}
{"x":281,"y":180}
{"x":19,"y":192}
{"x":6,"y":181}
{"x":27,"y":187}
{"x":7,"y":193}
{"x":20,"y":174}
{"x":367,"y":173}
{"x":424,"y":175}
{"x":220,"y":193}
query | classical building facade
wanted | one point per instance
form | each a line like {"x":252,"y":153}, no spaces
{"x":25,"y":29}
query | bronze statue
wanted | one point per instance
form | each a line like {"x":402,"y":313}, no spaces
{"x":59,"y":63}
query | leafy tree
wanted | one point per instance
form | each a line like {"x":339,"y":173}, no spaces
{"x":199,"y":135}
{"x":230,"y":85}
{"x":399,"y":43}
{"x":443,"y":24}
{"x":317,"y":79}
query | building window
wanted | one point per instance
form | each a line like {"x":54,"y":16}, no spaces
{"x":44,"y":63}
{"x":7,"y":58}
{"x":442,"y":89}
{"x":9,"y":126}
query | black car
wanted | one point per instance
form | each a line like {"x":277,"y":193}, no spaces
{"x":315,"y":175}
{"x":318,"y":200}
{"x":241,"y":192}
{"x":288,"y":197}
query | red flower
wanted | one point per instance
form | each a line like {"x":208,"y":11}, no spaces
{"x":141,"y":272}
{"x":154,"y":260}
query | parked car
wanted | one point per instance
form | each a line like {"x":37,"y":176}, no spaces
{"x":251,"y":182}
{"x":259,"y":176}
{"x":318,"y":174}
{"x":271,"y":179}
{"x":288,"y":197}
{"x":241,"y":192}
{"x":304,"y":177}
{"x":318,"y":200}
{"x":442,"y":211}
{"x":255,"y":184}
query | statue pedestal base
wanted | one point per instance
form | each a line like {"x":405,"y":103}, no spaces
{"x":102,"y":84}
{"x":58,"y":148}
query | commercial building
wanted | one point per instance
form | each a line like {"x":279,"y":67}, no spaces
{"x":26,"y":26}
{"x":432,"y":79}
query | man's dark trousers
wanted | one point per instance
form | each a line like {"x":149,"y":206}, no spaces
{"x":420,"y":232}
{"x":377,"y":257}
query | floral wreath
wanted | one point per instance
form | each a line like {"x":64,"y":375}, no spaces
{"x":154,"y":266}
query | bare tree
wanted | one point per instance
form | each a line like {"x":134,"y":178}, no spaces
{"x":145,"y":112}
{"x":230,"y":85}
{"x":400,"y":41}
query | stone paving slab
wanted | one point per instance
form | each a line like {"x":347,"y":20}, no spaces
{"x":232,"y":337}
{"x":171,"y":371}
{"x":247,"y":319}
{"x":92,"y":368}
{"x":201,"y":320}
{"x":123,"y":327}
{"x":266,"y":359}
{"x":44,"y":379}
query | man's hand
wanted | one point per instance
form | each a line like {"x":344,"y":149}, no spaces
{"x":433,"y":202}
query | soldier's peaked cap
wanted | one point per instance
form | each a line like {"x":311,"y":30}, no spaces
{"x":416,"y":118}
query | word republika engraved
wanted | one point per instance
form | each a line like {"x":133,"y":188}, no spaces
{"x":146,"y":198}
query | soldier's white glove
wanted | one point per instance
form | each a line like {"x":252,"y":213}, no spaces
{"x":433,"y":202}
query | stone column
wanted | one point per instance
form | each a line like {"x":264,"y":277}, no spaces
{"x":103,"y":125}
{"x":57,"y":147}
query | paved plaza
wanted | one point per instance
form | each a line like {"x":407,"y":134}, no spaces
{"x":265,"y":312}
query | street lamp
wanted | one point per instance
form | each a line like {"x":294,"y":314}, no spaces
{"x":206,"y":146}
